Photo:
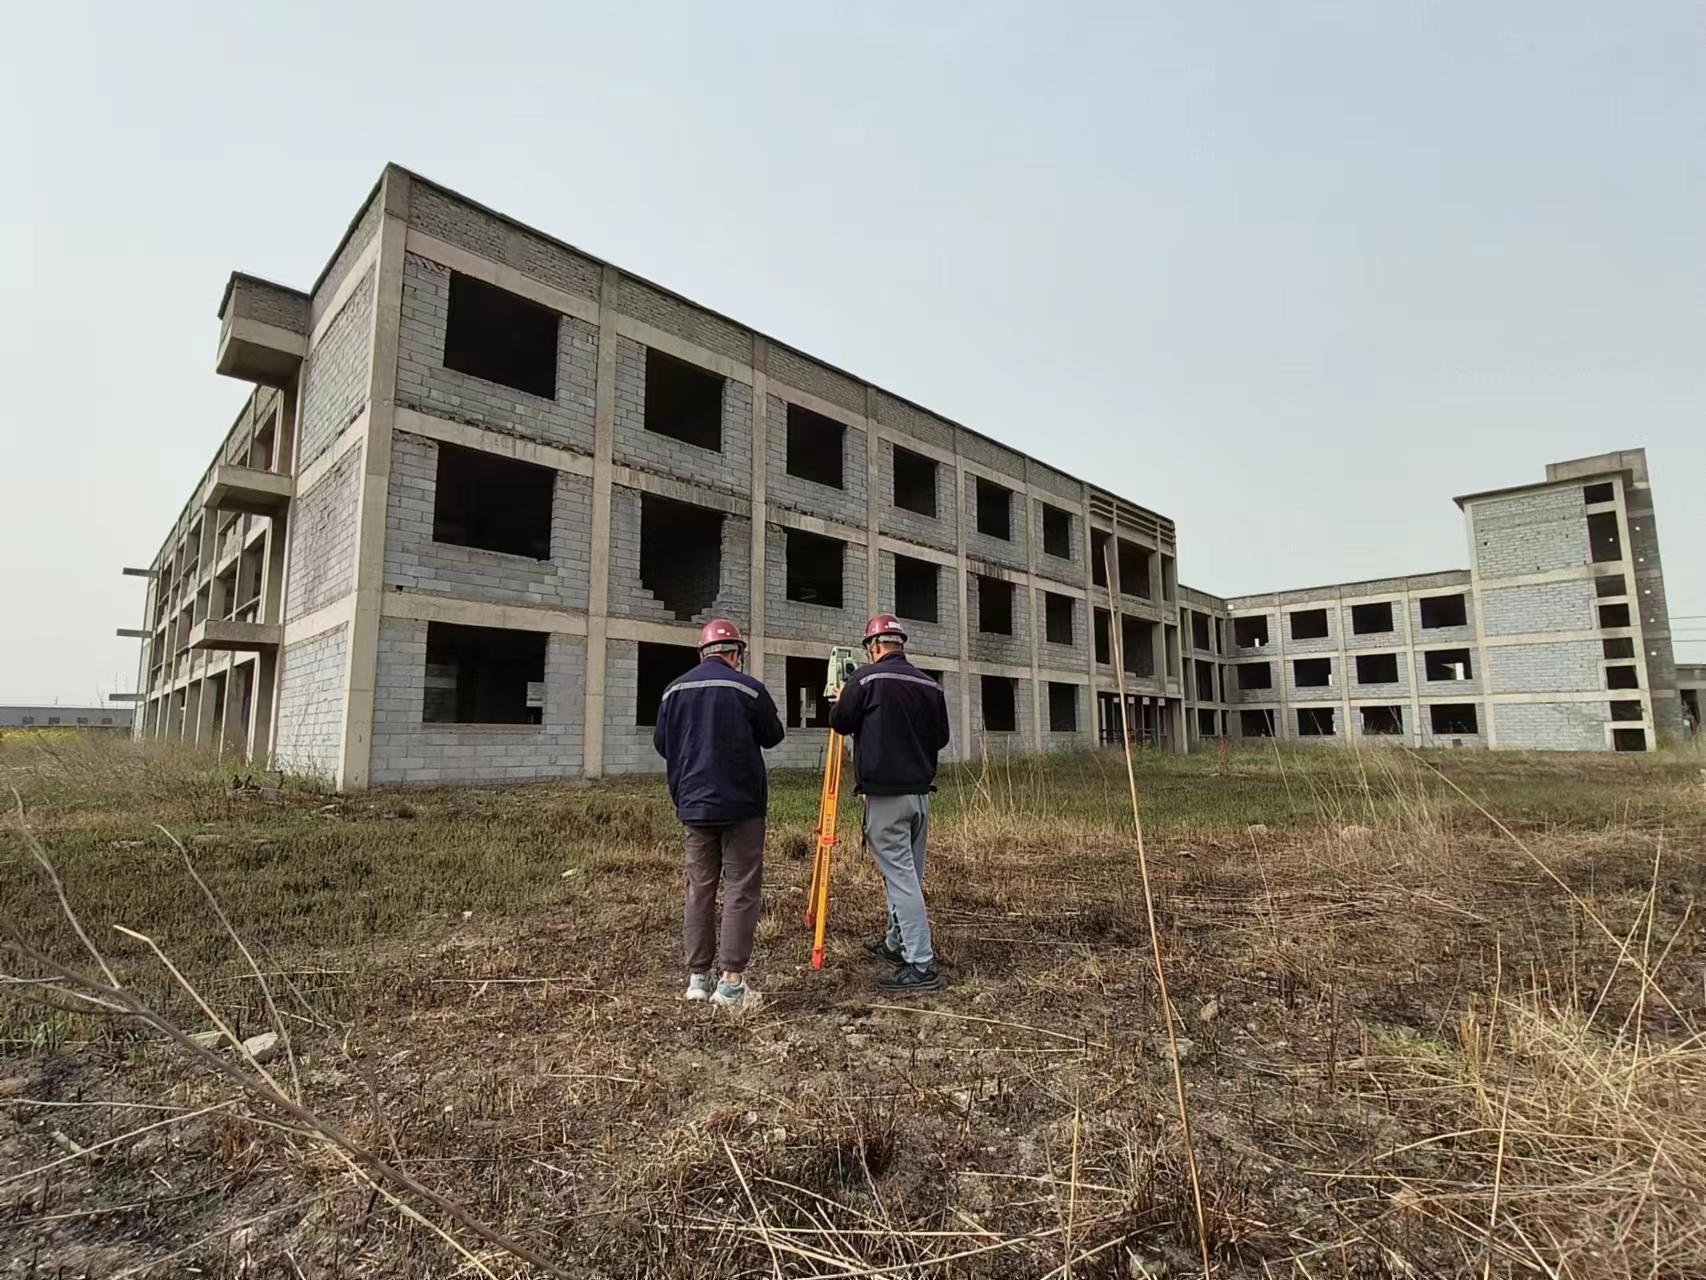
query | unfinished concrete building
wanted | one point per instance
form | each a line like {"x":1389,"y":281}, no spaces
{"x":488,"y":486}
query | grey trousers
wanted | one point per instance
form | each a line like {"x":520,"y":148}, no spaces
{"x":733,"y":854}
{"x":896,"y":828}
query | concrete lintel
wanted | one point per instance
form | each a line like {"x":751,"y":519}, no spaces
{"x":417,"y":606}
{"x":414,"y":422}
{"x":225,"y":634}
{"x":503,"y":277}
{"x":247,"y":489}
{"x":790,"y":394}
{"x":816,"y":524}
{"x":643,"y":333}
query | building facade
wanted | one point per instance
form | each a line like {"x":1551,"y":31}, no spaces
{"x":487,"y":487}
{"x":93,"y":719}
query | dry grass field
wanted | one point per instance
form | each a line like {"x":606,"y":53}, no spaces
{"x":1439,"y":1014}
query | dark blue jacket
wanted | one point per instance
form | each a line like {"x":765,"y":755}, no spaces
{"x":712,"y":726}
{"x":898,"y":717}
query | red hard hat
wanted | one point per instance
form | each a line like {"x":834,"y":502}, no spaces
{"x":884,"y":624}
{"x":720,"y":631}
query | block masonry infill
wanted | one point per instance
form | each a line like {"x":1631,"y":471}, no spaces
{"x":681,"y":554}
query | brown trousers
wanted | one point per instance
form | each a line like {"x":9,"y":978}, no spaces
{"x":734,"y":854}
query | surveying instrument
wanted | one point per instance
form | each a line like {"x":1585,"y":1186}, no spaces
{"x":842,"y":663}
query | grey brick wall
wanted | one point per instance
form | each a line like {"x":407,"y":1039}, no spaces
{"x":941,"y":532}
{"x":417,"y":563}
{"x":998,"y":458}
{"x":1449,"y":688}
{"x":323,"y":538}
{"x":1432,"y":739}
{"x":1311,"y":693}
{"x":311,"y":704}
{"x":789,"y":366}
{"x":1552,"y":726}
{"x":1531,"y":533}
{"x":673,"y":315}
{"x":1562,"y":667}
{"x":366,"y":227}
{"x":1000,"y":743}
{"x":1322,"y":647}
{"x":339,"y":374}
{"x":986,"y":547}
{"x":1366,"y":691}
{"x":941,"y":638}
{"x":424,"y":383}
{"x":407,"y":751}
{"x":729,"y":470}
{"x":1069,"y":571}
{"x":1396,"y":638}
{"x":492,"y":238}
{"x":1076,"y":741}
{"x":1547,"y":606}
{"x":795,"y":621}
{"x":1062,"y":657}
{"x":629,"y":597}
{"x":915,"y":422}
{"x":1013,"y":650}
{"x":1444,"y":637}
{"x":847,"y":504}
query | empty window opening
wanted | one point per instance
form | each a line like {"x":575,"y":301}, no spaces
{"x":994,"y":510}
{"x":494,"y":334}
{"x":814,"y":568}
{"x":1000,"y":704}
{"x":1629,"y":709}
{"x":815,"y":447}
{"x":1445,"y":611}
{"x":1134,"y":569}
{"x":483,"y":675}
{"x":263,"y":446}
{"x":1057,"y":532}
{"x":1062,"y":707}
{"x":1618,"y":647}
{"x":1220,"y":635}
{"x":683,"y":401}
{"x":1691,"y":708}
{"x":1454,"y":718}
{"x":1256,"y":724}
{"x":1629,"y":739}
{"x":807,"y":707}
{"x":1137,"y":639}
{"x":1448,"y":664}
{"x":1205,"y":681}
{"x":495,"y":503}
{"x":1315,"y":722}
{"x":1205,"y":724}
{"x":1309,"y":624}
{"x":1612,"y":584}
{"x":1377,"y":668}
{"x":1199,"y":630}
{"x":915,"y":595}
{"x":1371,"y":619}
{"x":1169,"y":578}
{"x":681,"y":554}
{"x":1622,"y":678}
{"x":1099,"y":558}
{"x":1170,"y":638}
{"x":1313,"y":673}
{"x":994,"y":606}
{"x":659,"y":664}
{"x":1613,"y":615}
{"x":1255,"y":675}
{"x":1382,"y":722}
{"x":1250,"y":633}
{"x":1603,"y":541}
{"x":1104,"y":639}
{"x":1059,"y":613}
{"x":914,"y":482}
{"x":1604,"y":491}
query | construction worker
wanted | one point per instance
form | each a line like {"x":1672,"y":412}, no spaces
{"x":714,"y":723}
{"x":898,"y":718}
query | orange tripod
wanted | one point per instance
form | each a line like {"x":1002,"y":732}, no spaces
{"x":828,"y":813}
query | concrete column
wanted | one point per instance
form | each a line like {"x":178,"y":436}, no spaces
{"x":873,"y":505}
{"x":756,"y":629}
{"x":966,"y":734}
{"x":1489,"y":728}
{"x":1029,"y":497}
{"x":598,"y":596}
{"x":1415,"y":734}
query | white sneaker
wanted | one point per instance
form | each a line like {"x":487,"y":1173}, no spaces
{"x":734,"y":995}
{"x":700,"y":985}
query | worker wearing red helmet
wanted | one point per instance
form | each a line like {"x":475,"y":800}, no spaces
{"x":714,"y":725}
{"x":898,"y":719}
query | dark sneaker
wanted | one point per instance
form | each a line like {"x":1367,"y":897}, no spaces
{"x":879,"y":949}
{"x":911,"y":980}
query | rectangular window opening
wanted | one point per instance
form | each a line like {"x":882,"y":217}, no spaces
{"x":816,"y":446}
{"x":1451,"y":718}
{"x":915,"y":594}
{"x":1309,"y":624}
{"x":1371,"y":619}
{"x":1169,"y":578}
{"x":1205,"y":724}
{"x":1613,"y":615}
{"x":1627,"y":709}
{"x":1610,"y":584}
{"x":1104,"y":639}
{"x":1059,"y":613}
{"x":1137,"y":639}
{"x":914,"y":482}
{"x":1255,"y":675}
{"x":1382,"y":722}
{"x":1251,"y":633}
{"x":483,"y":675}
{"x":1062,"y":707}
{"x":1377,"y":668}
{"x":994,"y":510}
{"x":994,"y":606}
{"x":1445,"y":611}
{"x":492,"y":502}
{"x":1629,"y":739}
{"x":1000,"y":704}
{"x":1622,"y":678}
{"x":1256,"y":724}
{"x":1099,"y":558}
{"x":1205,"y":681}
{"x":1199,"y":631}
{"x":1057,"y":532}
{"x":1603,"y":541}
{"x":1134,"y":569}
{"x":1448,"y":664}
{"x":659,"y":664}
{"x":683,"y":401}
{"x":1618,"y":647}
{"x":814,"y":568}
{"x":1313,"y":673}
{"x":681,"y":555}
{"x":499,"y":336}
{"x":1604,"y":491}
{"x":1315,"y":722}
{"x":807,"y":707}
{"x":1170,"y":640}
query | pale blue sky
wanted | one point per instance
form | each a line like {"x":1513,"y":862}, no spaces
{"x":1293,"y":275}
